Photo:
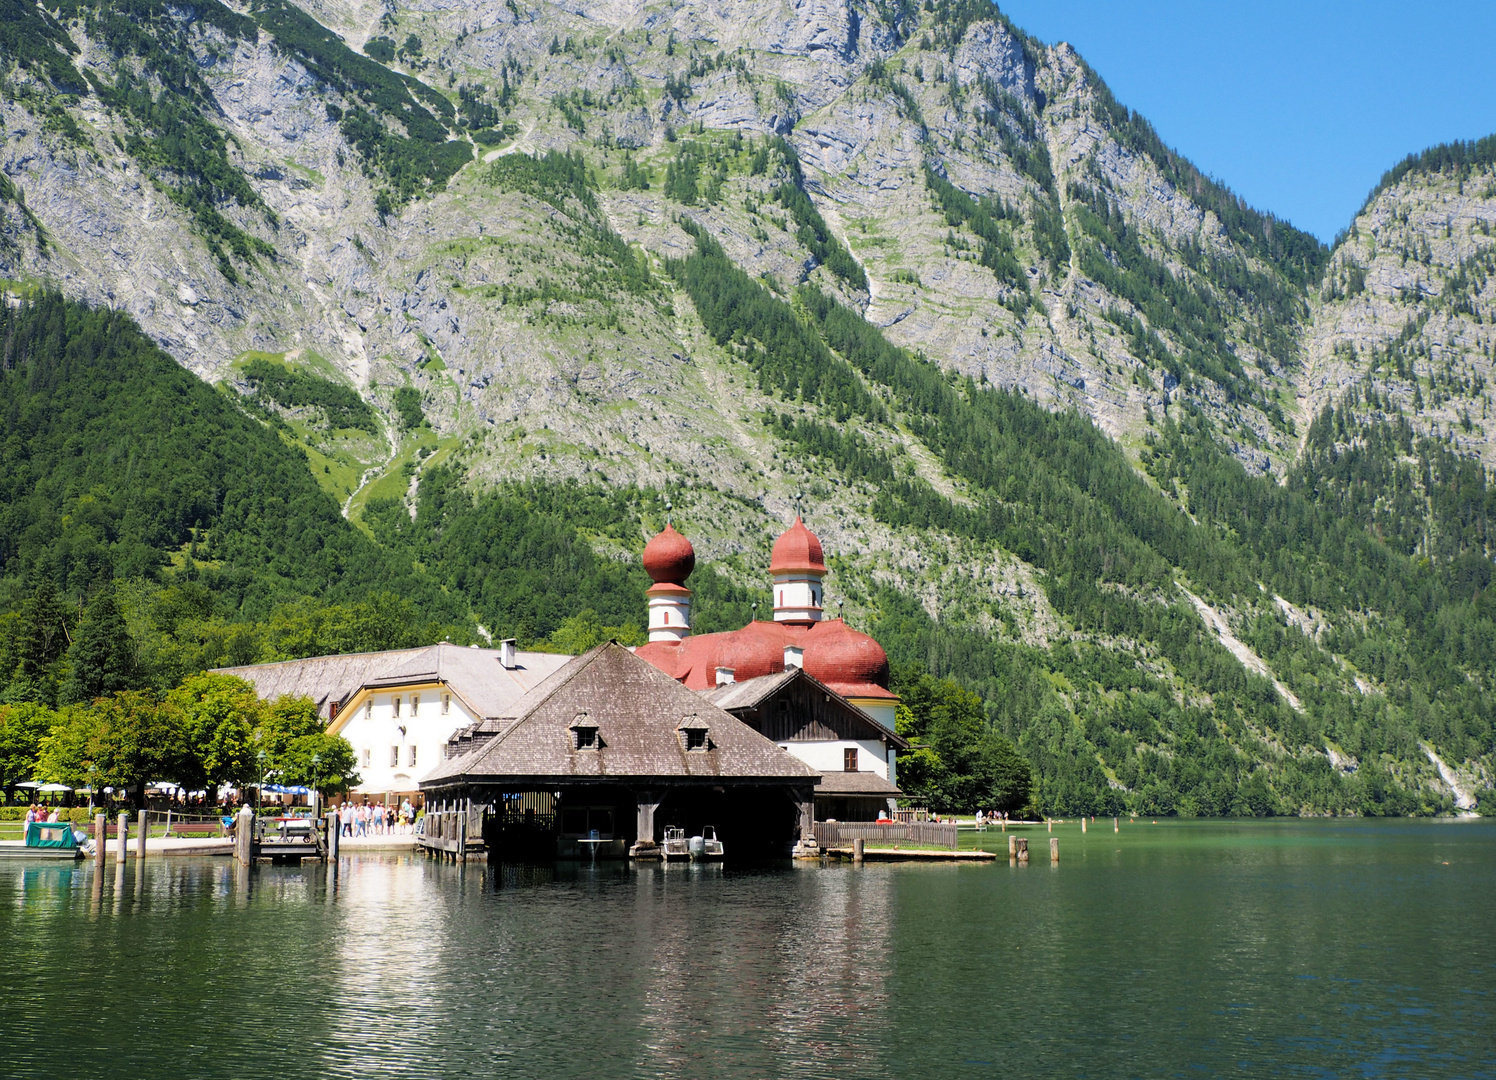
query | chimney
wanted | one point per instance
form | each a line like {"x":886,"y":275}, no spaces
{"x":794,"y":657}
{"x":726,"y":676}
{"x":506,"y":655}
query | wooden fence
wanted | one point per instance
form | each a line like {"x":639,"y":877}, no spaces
{"x":831,"y":834}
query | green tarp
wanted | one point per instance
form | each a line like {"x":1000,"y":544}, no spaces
{"x":56,"y":834}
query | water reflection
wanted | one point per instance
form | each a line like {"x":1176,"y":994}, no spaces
{"x":1217,"y":949}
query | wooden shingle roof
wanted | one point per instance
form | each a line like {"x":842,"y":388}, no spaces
{"x":640,"y":715}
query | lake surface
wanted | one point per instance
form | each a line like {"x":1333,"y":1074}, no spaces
{"x":1294,"y":948}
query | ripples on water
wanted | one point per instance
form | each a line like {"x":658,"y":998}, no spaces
{"x":1256,"y":949}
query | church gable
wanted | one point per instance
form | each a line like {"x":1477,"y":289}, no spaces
{"x":795,"y":707}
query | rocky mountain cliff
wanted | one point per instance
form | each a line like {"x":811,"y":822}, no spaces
{"x":510,"y":228}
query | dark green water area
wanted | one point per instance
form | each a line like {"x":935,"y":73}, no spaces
{"x":1276,"y":948}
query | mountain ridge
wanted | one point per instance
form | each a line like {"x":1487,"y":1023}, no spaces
{"x":980,"y":198}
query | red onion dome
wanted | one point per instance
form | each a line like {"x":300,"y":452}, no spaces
{"x":840,"y":656}
{"x":669,"y":557}
{"x":798,"y":549}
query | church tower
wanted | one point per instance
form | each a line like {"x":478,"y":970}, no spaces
{"x":797,"y":566}
{"x":669,"y":560}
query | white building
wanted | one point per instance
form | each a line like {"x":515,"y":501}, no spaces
{"x":398,"y":708}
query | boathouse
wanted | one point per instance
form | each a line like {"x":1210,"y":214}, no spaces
{"x":606,"y":753}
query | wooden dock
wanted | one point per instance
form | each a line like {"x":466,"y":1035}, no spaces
{"x":892,"y":854}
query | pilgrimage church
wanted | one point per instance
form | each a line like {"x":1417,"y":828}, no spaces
{"x":759,"y":731}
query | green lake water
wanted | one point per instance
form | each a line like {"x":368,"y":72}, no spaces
{"x":1277,"y":948}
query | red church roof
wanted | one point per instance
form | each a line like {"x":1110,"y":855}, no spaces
{"x":851,"y":663}
{"x":797,"y":549}
{"x":669,"y":557}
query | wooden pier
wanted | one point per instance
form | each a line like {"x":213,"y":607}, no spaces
{"x":453,"y":831}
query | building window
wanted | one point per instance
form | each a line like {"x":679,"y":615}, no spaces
{"x":849,"y":759}
{"x":695,"y":738}
{"x":415,"y":704}
{"x":394,"y":757}
{"x":397,"y":706}
{"x":368,"y":757}
{"x":586,"y":737}
{"x":410,"y":756}
{"x":446,"y":704}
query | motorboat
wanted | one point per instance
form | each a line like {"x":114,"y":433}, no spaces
{"x":706,"y":847}
{"x":675,"y":846}
{"x":49,"y":840}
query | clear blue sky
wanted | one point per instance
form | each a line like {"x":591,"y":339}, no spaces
{"x":1299,"y":107}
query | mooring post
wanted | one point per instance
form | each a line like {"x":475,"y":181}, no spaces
{"x":1116,"y":825}
{"x":1054,"y":849}
{"x":1049,"y":822}
{"x":1022,"y":849}
{"x":332,"y":834}
{"x":1012,"y":847}
{"x":1082,"y":824}
{"x":859,"y":848}
{"x":461,"y":834}
{"x":145,"y":827}
{"x":122,"y":836}
{"x":244,"y":835}
{"x":101,"y":840}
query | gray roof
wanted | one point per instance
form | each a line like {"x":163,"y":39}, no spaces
{"x":638,"y":711}
{"x":474,"y":675}
{"x":856,"y":783}
{"x":750,"y":694}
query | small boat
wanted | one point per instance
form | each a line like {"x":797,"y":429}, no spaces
{"x":706,"y":847}
{"x":675,"y":846}
{"x":50,"y":840}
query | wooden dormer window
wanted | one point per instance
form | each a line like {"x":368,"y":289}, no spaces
{"x":849,"y":759}
{"x":694,"y":734}
{"x":584,"y":733}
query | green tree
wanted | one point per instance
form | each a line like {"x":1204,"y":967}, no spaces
{"x":40,"y":640}
{"x":102,"y":656}
{"x":219,"y":714}
{"x":22,"y":728}
{"x":585,"y":630}
{"x":292,"y":734}
{"x":124,"y":741}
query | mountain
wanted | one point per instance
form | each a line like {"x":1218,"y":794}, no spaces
{"x":1200,"y":506}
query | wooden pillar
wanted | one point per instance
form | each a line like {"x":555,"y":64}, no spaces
{"x":1022,"y":849}
{"x":859,"y":849}
{"x":1054,"y":849}
{"x":122,"y":836}
{"x":334,"y":827}
{"x":101,"y":840}
{"x":244,"y":836}
{"x":1012,"y":846}
{"x":1082,"y":824}
{"x":1116,"y":825}
{"x":145,"y":828}
{"x":807,"y":807}
{"x":646,"y":802}
{"x":461,"y":834}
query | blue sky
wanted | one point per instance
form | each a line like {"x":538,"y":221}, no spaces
{"x":1298,"y":107}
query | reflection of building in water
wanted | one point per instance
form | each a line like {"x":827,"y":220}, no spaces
{"x":741,"y":980}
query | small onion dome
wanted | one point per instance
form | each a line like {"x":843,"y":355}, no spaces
{"x":842,"y":657}
{"x":798,"y":549}
{"x":669,"y":557}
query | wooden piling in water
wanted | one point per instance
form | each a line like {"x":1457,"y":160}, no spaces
{"x":1012,"y":846}
{"x":1082,"y":824}
{"x":334,"y":828}
{"x":145,"y":828}
{"x":1054,"y":849}
{"x":122,"y":836}
{"x":101,"y":841}
{"x":1022,"y":849}
{"x":1050,"y":823}
{"x":859,"y":849}
{"x":1116,"y":825}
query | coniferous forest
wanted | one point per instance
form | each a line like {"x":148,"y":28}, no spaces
{"x":151,"y":527}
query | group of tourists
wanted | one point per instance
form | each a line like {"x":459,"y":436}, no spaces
{"x":376,"y":819}
{"x":34,"y":812}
